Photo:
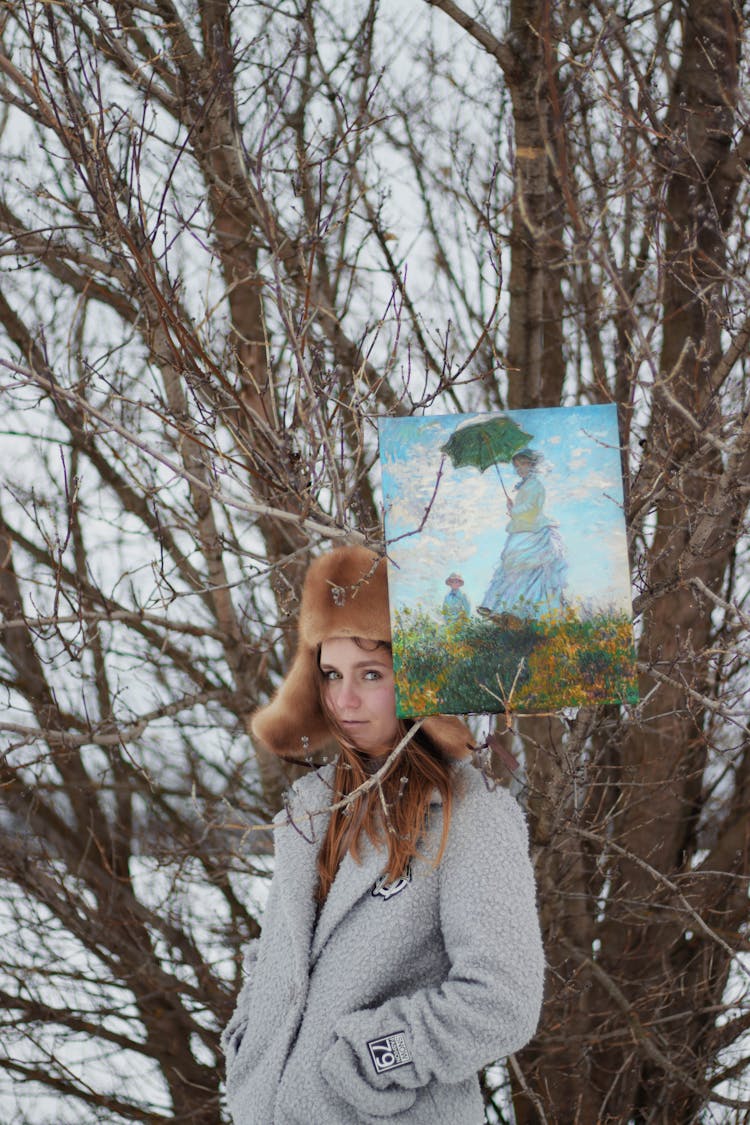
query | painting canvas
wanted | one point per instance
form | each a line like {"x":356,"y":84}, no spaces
{"x":507,"y":561}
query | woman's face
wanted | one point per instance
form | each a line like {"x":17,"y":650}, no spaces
{"x":360,"y":693}
{"x":522,"y":466}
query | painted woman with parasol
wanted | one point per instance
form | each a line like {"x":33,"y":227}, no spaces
{"x":531,"y":574}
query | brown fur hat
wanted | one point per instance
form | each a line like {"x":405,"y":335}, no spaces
{"x":345,"y":594}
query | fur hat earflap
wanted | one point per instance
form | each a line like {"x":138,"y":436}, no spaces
{"x":345,"y":594}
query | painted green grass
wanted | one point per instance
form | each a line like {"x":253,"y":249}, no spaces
{"x":471,"y":664}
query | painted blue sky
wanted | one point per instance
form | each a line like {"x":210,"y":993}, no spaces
{"x":466,"y":527}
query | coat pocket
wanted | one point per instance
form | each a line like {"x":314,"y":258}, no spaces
{"x":340,"y":1069}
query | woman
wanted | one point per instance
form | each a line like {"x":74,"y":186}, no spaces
{"x":400,"y":949}
{"x":531,"y":575}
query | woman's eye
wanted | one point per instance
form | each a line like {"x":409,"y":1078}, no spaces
{"x":372,"y":675}
{"x":331,"y":675}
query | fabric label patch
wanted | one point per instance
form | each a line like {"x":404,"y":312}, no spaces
{"x":389,"y":1052}
{"x":384,"y":889}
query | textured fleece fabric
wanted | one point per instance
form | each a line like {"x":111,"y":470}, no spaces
{"x":386,"y":1009}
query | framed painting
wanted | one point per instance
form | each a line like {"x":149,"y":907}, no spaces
{"x":508,"y":571}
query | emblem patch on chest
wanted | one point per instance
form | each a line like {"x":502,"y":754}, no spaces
{"x":389,"y":1052}
{"x":384,"y":889}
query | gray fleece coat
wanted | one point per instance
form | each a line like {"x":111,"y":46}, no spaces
{"x":385,"y":1008}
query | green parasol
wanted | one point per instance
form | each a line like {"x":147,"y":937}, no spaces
{"x":485,"y":441}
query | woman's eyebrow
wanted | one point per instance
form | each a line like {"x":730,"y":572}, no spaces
{"x":376,"y":662}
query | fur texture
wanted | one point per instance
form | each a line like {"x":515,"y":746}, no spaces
{"x":345,"y":595}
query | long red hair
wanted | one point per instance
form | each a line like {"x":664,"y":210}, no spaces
{"x":394,"y":813}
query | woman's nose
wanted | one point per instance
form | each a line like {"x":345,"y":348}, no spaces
{"x":348,"y":695}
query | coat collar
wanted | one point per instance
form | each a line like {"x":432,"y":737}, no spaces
{"x":353,"y":881}
{"x":301,"y":827}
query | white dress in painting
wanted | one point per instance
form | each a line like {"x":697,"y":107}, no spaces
{"x":531,"y":575}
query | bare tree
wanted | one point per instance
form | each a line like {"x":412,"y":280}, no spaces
{"x":233,"y":235}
